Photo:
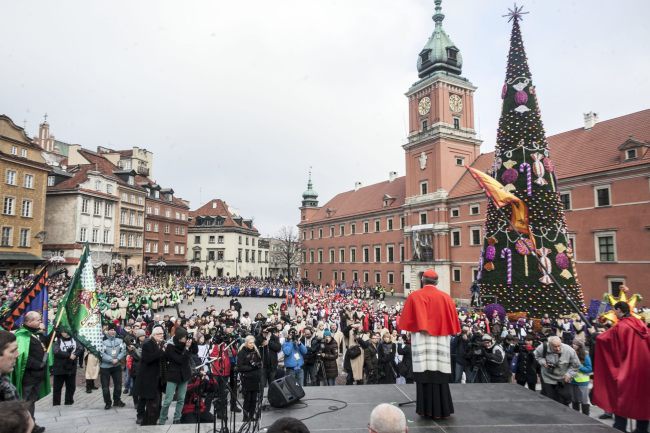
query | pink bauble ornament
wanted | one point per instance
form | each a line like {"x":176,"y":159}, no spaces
{"x":521,"y":97}
{"x":509,"y":176}
{"x":562,"y":261}
{"x":490,"y":253}
{"x":504,"y":91}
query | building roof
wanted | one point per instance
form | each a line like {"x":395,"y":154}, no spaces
{"x":219,"y":208}
{"x":582,"y":151}
{"x":364,"y":200}
{"x":106,"y":167}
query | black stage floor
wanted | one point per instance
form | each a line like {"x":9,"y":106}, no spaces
{"x":484,"y":408}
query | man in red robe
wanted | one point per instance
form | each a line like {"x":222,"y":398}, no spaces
{"x":621,"y":373}
{"x":430,"y":315}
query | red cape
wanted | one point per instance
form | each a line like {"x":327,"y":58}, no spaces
{"x":621,"y":373}
{"x":430,"y":310}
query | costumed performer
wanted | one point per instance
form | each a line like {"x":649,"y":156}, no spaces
{"x":430,"y":315}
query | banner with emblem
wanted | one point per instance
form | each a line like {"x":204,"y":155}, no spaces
{"x":78,"y":311}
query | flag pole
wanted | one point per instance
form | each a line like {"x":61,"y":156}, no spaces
{"x":532,"y":252}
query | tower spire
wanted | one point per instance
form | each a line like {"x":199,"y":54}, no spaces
{"x":439,"y":53}
{"x":438,"y":17}
{"x":310,"y":197}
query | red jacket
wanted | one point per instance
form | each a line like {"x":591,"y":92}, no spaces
{"x":221,"y":366}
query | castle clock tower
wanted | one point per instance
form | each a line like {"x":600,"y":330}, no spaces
{"x":441,"y":141}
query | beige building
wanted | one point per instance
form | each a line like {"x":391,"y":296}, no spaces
{"x":22,"y":191}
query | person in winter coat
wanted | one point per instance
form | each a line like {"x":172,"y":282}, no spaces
{"x":526,"y":371}
{"x":147,"y":379}
{"x":330,"y":356}
{"x":177,"y":359}
{"x":354,"y":365}
{"x":580,"y":382}
{"x":133,"y":358}
{"x":64,"y":369}
{"x":405,"y":366}
{"x":371,"y":360}
{"x":268,"y":344}
{"x":249,"y":365}
{"x":113,"y":354}
{"x":386,"y":351}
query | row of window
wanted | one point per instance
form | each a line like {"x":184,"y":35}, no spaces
{"x":152,"y":247}
{"x":93,"y":236}
{"x":23,"y":151}
{"x":9,"y":207}
{"x":252,"y":240}
{"x":153,"y":227}
{"x":211,"y":239}
{"x":474,"y":237}
{"x":133,"y":199}
{"x":155,"y":210}
{"x":316,"y":256}
{"x":340,"y":276}
{"x":602,"y":197}
{"x":7,"y":237}
{"x":474,"y":209}
{"x":99,"y":207}
{"x":353,"y":228}
{"x":11,"y":178}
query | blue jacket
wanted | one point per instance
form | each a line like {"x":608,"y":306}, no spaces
{"x":582,"y":378}
{"x":293,"y":354}
{"x":113,"y":349}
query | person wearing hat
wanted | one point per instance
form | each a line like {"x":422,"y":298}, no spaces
{"x":133,"y":358}
{"x":430,"y":315}
{"x":112,"y":354}
{"x":330,"y":356}
{"x":496,"y":365}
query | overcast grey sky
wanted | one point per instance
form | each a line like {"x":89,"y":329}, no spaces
{"x":238,"y":98}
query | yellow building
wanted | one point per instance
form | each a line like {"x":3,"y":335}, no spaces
{"x":23,"y":183}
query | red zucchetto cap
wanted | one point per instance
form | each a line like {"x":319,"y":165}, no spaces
{"x":430,"y":273}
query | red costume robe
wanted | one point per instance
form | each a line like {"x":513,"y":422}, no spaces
{"x":431,"y":310}
{"x":621,"y":372}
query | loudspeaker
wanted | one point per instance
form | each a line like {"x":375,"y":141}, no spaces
{"x":285,"y":391}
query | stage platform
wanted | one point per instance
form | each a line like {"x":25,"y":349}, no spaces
{"x":480,"y":408}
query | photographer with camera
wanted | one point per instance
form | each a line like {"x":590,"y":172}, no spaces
{"x":223,"y":351}
{"x":559,"y":364}
{"x":64,"y":368}
{"x":353,"y":360}
{"x":294,"y":352}
{"x":268,"y":344}
{"x":496,"y":365}
{"x":311,"y":356}
{"x":249,"y":365}
{"x":459,"y":345}
{"x":475,"y":356}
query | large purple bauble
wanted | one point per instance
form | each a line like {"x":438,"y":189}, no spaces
{"x":521,"y":97}
{"x":510,"y":175}
{"x":504,"y":91}
{"x":562,"y":261}
{"x":490,"y":253}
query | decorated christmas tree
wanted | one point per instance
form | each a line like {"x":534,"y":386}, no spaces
{"x":535,"y":224}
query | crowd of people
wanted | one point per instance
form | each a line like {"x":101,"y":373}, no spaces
{"x":219,"y":360}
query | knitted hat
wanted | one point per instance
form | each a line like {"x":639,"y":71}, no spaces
{"x":327,"y":333}
{"x":111,"y":326}
{"x":140,"y":333}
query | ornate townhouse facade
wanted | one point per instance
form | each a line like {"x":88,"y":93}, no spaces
{"x":223,"y":244}
{"x":23,"y":184}
{"x":437,"y":211}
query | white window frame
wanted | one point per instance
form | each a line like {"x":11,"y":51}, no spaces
{"x":366,"y":277}
{"x":611,"y":280}
{"x":28,"y":181}
{"x":10,"y":236}
{"x":460,"y":237}
{"x":390,"y":278}
{"x":609,"y":194}
{"x":461,"y":159}
{"x":474,"y":273}
{"x":599,"y":235}
{"x":27,"y":238}
{"x":425,"y":184}
{"x":572,"y":239}
{"x":83,"y":234}
{"x":5,"y":209}
{"x":472,"y":206}
{"x":455,"y":269}
{"x":627,"y":154}
{"x":426,"y":218}
{"x":388,"y":248}
{"x":14,"y":177}
{"x":341,"y":255}
{"x":452,"y":210}
{"x":471,"y":235}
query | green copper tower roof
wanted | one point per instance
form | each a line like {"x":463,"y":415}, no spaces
{"x":439,"y":53}
{"x":310,"y":197}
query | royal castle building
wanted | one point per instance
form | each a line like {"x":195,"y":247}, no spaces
{"x":388,"y":233}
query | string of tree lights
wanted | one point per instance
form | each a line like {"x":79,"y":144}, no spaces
{"x":523,"y":165}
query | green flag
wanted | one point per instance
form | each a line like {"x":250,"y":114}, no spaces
{"x":78,"y":311}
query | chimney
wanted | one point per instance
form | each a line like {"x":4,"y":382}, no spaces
{"x":591,"y":119}
{"x":357,"y":185}
{"x":392,"y":175}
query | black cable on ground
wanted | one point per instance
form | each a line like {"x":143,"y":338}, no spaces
{"x":331,"y":409}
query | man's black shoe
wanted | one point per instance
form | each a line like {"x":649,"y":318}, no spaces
{"x":119,"y":403}
{"x":138,"y":420}
{"x":88,"y":390}
{"x":38,"y":429}
{"x":108,"y":406}
{"x":605,"y":416}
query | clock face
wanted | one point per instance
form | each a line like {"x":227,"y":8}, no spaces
{"x":456,"y":103}
{"x":424,"y":106}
